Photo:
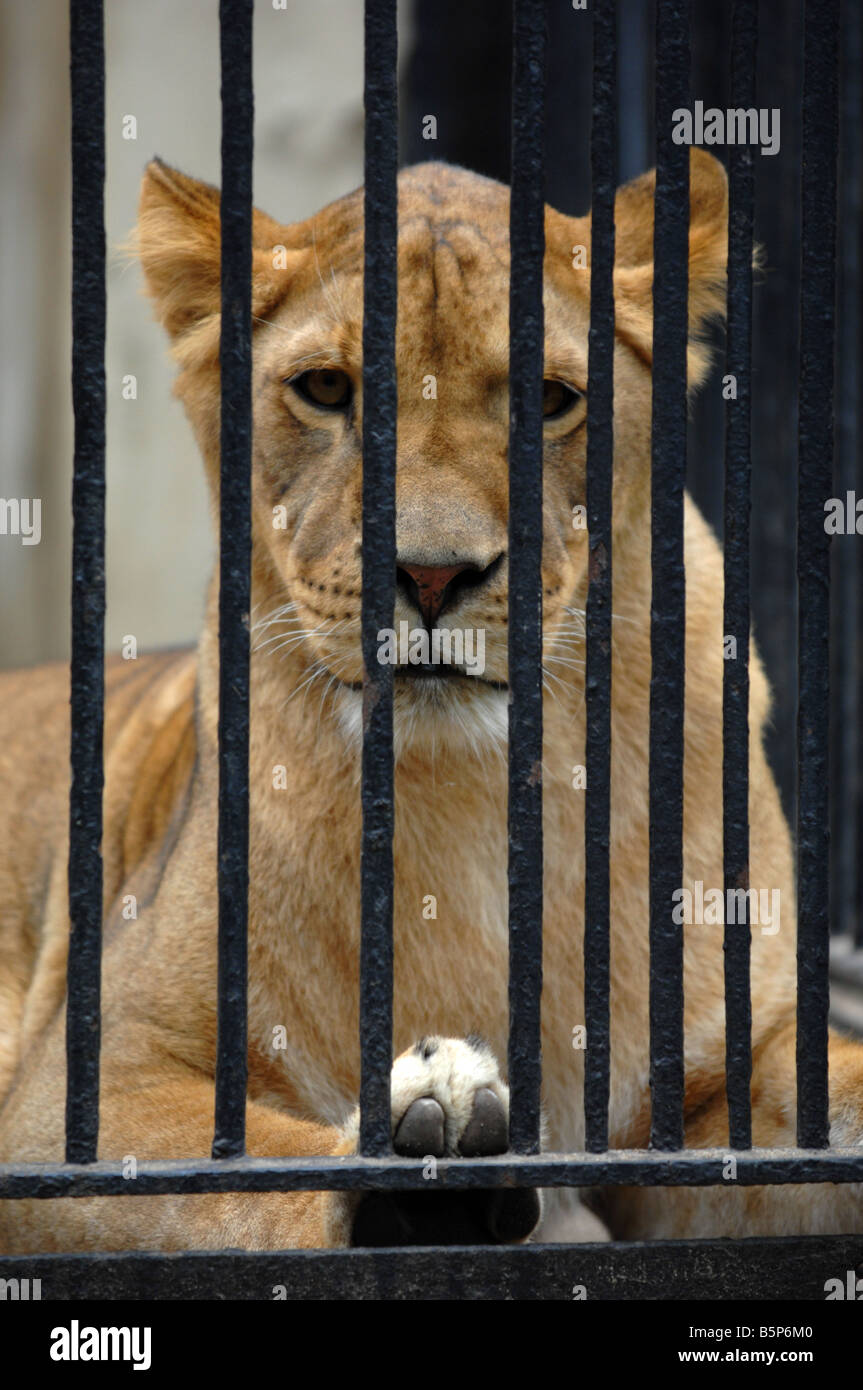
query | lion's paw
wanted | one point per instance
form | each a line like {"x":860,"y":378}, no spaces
{"x":448,"y":1101}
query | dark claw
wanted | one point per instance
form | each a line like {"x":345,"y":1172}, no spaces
{"x":487,"y":1131}
{"x":421,"y":1130}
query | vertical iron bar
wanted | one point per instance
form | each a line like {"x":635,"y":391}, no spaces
{"x":736,"y":619}
{"x":235,"y":542}
{"x":600,"y":464}
{"x":853,"y":354}
{"x":83,"y":1021}
{"x":815,"y":485}
{"x":526,"y":328}
{"x":380,"y":403}
{"x":668,"y":599}
{"x":846,"y":654}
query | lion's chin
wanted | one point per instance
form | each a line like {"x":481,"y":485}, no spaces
{"x":436,"y":716}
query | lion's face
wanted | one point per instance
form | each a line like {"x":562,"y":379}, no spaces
{"x":451,"y":482}
{"x":449,"y":642}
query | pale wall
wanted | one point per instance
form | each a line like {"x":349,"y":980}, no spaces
{"x":163,"y":68}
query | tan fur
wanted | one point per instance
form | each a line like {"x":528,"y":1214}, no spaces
{"x":159,"y":980}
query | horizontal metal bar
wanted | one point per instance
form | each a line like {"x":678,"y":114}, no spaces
{"x":622,"y":1167}
{"x":790,"y":1267}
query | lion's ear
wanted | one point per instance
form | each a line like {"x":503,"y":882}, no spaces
{"x":178,"y":240}
{"x":708,"y":245}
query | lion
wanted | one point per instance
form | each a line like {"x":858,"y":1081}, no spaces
{"x":449,"y":1095}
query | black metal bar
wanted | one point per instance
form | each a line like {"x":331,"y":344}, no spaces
{"x":815,"y":485}
{"x":526,"y":355}
{"x":379,"y":569}
{"x":736,"y":619}
{"x":235,"y":548}
{"x":668,"y":599}
{"x":788,"y":1268}
{"x":600,"y":466}
{"x":846,"y":629}
{"x":83,"y":1021}
{"x":615,"y":1167}
{"x":851,"y":292}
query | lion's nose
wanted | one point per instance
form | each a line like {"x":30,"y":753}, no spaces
{"x":435,"y":587}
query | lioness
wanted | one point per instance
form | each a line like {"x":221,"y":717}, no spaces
{"x":448,"y":1094}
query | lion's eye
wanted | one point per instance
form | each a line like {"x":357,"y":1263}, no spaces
{"x":326,"y":387}
{"x":558,"y":398}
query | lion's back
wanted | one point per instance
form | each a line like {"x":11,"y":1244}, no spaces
{"x":149,"y":751}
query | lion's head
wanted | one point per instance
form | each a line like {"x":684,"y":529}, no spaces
{"x":453,"y":422}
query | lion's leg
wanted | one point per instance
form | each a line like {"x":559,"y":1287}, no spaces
{"x":781,"y":1209}
{"x":447,"y":1098}
{"x":168,"y":1114}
